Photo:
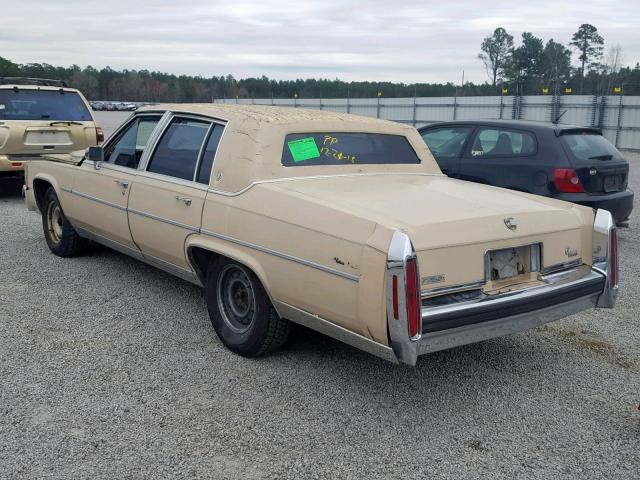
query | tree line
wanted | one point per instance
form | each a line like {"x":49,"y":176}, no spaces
{"x":538,"y":67}
{"x":533,"y":67}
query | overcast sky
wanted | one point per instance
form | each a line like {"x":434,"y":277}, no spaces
{"x":401,"y":40}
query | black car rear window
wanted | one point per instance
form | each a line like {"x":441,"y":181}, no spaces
{"x":22,"y":104}
{"x":588,"y":146}
{"x":335,"y":148}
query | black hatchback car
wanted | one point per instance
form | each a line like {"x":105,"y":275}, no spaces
{"x":575,"y":164}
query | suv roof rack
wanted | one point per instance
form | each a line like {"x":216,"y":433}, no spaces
{"x":44,"y":82}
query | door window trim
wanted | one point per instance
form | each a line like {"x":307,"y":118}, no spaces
{"x":115,"y":136}
{"x":156,"y":136}
{"x":480,"y":128}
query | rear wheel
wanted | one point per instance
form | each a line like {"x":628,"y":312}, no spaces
{"x":61,"y":237}
{"x":241,"y":312}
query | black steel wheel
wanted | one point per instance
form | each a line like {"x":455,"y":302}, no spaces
{"x":240,"y":310}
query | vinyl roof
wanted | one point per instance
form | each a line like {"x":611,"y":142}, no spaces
{"x":269,"y":114}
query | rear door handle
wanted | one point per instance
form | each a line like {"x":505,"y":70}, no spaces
{"x":185,"y":200}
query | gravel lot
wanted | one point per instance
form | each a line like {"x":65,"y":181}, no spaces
{"x":110,"y":369}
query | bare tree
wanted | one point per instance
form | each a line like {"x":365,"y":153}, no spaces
{"x":495,"y":52}
{"x":612,"y":65}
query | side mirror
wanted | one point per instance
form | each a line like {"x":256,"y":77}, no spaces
{"x":96,"y":155}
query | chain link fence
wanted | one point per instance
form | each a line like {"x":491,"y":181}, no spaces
{"x":617,"y":115}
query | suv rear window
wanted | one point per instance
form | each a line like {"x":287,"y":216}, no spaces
{"x":588,"y":146}
{"x":331,"y":148}
{"x":22,"y":104}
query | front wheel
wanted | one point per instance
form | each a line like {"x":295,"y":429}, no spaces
{"x":61,"y":237}
{"x":241,"y":312}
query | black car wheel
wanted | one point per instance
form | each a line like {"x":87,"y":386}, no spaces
{"x":241,"y":312}
{"x":61,"y":237}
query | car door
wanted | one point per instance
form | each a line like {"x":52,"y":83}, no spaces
{"x":166,"y":201}
{"x":101,"y":192}
{"x":446,"y":143}
{"x":501,"y":156}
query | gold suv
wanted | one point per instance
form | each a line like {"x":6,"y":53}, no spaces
{"x":41,"y":116}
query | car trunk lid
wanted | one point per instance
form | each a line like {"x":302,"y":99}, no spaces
{"x":453,"y":224}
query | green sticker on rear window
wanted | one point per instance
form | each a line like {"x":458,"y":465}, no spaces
{"x":303,"y":149}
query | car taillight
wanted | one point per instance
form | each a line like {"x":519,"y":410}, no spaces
{"x":567,"y":181}
{"x":99,"y":135}
{"x":396,"y":315}
{"x":613,"y":259}
{"x":412,"y":291}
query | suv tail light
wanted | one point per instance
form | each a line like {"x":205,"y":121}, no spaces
{"x":99,"y":135}
{"x":613,"y":260}
{"x":567,"y":181}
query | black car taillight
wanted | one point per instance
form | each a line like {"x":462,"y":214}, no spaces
{"x":567,"y":181}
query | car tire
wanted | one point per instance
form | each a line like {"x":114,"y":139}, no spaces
{"x":61,"y":237}
{"x":241,"y":311}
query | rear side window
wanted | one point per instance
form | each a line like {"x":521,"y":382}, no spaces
{"x":177,"y":152}
{"x":334,"y":148}
{"x":502,"y":142}
{"x":22,"y":104}
{"x":206,"y":162}
{"x":587,"y":146}
{"x":446,"y":142}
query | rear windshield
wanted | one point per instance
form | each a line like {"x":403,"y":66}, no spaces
{"x":587,"y":147}
{"x":24,"y":104}
{"x":331,"y":148}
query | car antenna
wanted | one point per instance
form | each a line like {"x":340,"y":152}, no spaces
{"x":559,"y":117}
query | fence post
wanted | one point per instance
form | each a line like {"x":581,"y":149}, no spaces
{"x":594,"y":110}
{"x":603,"y":111}
{"x":455,"y":104}
{"x":414,"y":110}
{"x":619,"y":125}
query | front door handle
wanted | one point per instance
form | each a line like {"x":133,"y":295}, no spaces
{"x":185,"y":200}
{"x":123,"y":185}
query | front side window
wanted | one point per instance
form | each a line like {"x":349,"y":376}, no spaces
{"x":54,"y":105}
{"x":334,"y":148}
{"x":126,"y":150}
{"x":501,"y":142}
{"x":447,"y":142}
{"x":177,"y":152}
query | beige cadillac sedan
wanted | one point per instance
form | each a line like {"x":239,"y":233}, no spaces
{"x":341,"y":223}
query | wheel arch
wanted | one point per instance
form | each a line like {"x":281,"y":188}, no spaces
{"x":200,"y":251}
{"x":41,"y":183}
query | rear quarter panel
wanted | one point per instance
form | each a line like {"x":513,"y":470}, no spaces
{"x":284,"y":223}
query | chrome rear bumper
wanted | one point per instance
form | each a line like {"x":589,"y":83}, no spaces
{"x":563,"y":294}
{"x":493,"y":315}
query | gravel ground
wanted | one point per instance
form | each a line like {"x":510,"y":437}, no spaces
{"x":110,"y":369}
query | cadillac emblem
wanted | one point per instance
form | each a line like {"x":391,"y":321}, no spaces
{"x":511,"y":224}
